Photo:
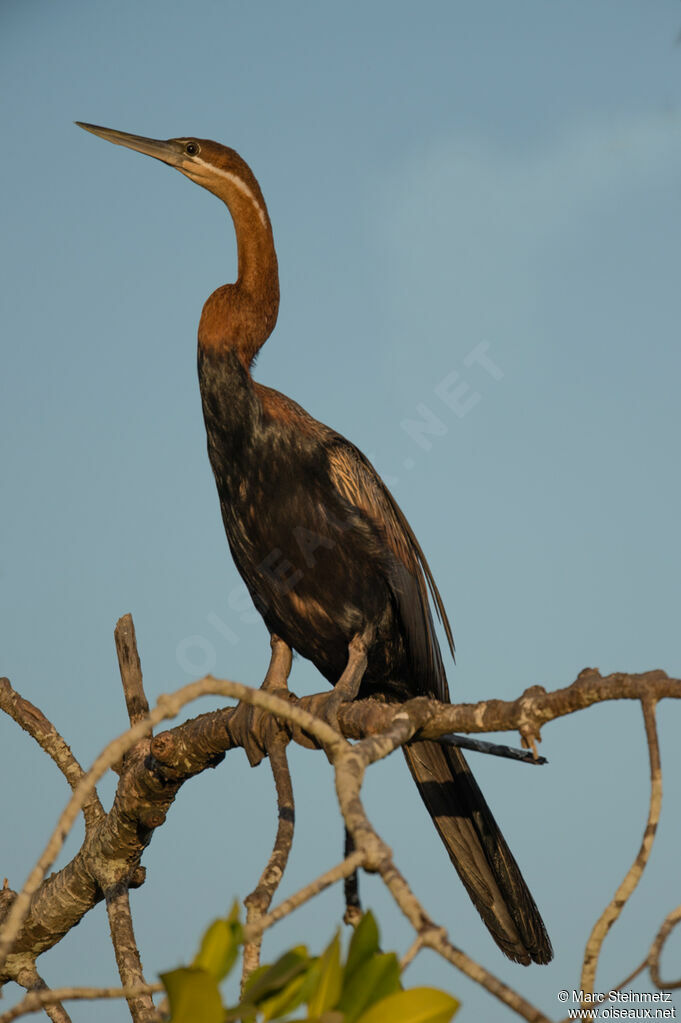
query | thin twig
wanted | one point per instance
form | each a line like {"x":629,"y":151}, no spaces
{"x":127,"y":954}
{"x":614,"y":908}
{"x":485,"y":979}
{"x":29,"y":978}
{"x":630,"y":976}
{"x":259,"y":901}
{"x":411,"y":953}
{"x":670,"y":922}
{"x":37,"y":1000}
{"x":33,"y":721}
{"x":435,"y":937}
{"x":303,"y":895}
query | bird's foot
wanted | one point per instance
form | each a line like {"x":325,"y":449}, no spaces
{"x":347,"y":686}
{"x":256,"y":727}
{"x":529,"y":741}
{"x":528,"y":725}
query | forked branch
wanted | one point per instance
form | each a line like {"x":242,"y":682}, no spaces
{"x":153,"y":769}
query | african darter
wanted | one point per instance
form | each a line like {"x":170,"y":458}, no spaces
{"x":323,"y":548}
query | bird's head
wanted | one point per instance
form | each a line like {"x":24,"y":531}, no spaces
{"x":213,"y":166}
{"x":242,"y":315}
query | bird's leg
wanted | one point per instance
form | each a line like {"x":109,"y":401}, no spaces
{"x":347,"y":686}
{"x":345,"y":690}
{"x":279,"y":669}
{"x":257,"y":726}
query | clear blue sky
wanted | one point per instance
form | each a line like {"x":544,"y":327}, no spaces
{"x":439,"y":177}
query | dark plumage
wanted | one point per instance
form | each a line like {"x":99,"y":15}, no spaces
{"x":321,"y":544}
{"x":325,"y":550}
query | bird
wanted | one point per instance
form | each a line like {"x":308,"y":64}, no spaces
{"x":321,"y":544}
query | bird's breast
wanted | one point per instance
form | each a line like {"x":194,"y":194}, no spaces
{"x":313,"y":563}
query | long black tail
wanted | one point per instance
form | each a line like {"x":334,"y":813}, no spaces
{"x":479,"y":852}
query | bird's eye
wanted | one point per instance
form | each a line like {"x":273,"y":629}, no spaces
{"x":191,"y":149}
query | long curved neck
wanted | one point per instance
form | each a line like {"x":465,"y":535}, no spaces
{"x":241,"y":316}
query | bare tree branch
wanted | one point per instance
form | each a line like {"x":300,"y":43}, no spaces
{"x":303,"y":895}
{"x":630,"y":976}
{"x":37,"y":1000}
{"x":131,"y":670}
{"x":128,"y":960}
{"x":153,"y":769}
{"x":258,"y":902}
{"x":350,"y":764}
{"x":652,"y":959}
{"x":412,"y":952}
{"x":29,"y":978}
{"x":115,"y":868}
{"x":670,"y":922}
{"x":633,"y":876}
{"x":33,"y":721}
{"x":533,"y":709}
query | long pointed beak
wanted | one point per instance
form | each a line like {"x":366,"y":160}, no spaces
{"x":170,"y":151}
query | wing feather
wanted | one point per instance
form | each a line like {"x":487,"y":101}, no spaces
{"x":411,"y":579}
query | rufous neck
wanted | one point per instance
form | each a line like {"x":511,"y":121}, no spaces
{"x":241,"y":316}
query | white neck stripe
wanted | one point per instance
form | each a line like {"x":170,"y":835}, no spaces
{"x":236,"y":181}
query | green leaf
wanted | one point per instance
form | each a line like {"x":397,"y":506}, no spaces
{"x":418,"y":1005}
{"x":244,"y":1012}
{"x":363,"y":944}
{"x":328,"y":1017}
{"x":193,"y":995}
{"x":328,"y":987}
{"x":310,"y":983}
{"x":289,"y":998}
{"x":219,"y":948}
{"x":254,"y":977}
{"x":375,"y":979}
{"x":268,"y":980}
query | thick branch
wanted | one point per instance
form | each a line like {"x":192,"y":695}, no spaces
{"x":532,"y":710}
